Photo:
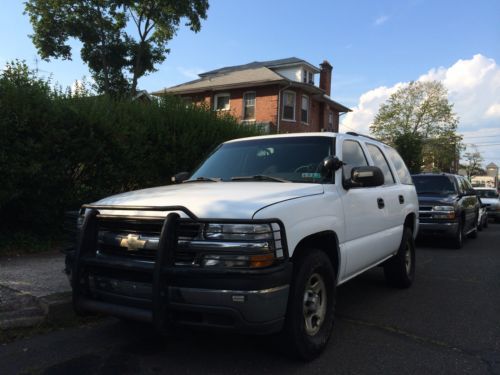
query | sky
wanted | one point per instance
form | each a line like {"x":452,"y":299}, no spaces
{"x":375,"y":48}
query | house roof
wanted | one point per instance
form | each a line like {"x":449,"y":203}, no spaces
{"x":231,"y":79}
{"x":260,"y":64}
{"x":257,"y":73}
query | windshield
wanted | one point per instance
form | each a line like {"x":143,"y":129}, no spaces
{"x":487,"y":193}
{"x":295,"y":159}
{"x":434,"y":185}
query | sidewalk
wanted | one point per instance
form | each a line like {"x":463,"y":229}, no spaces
{"x":33,"y":288}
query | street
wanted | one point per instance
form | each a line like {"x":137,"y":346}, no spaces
{"x":448,"y":322}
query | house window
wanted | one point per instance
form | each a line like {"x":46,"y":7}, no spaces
{"x":304,"y":76}
{"x":221,"y":102}
{"x":311,"y":78}
{"x":304,"y":113}
{"x":289,"y":105}
{"x":330,"y":121}
{"x":249,"y":106}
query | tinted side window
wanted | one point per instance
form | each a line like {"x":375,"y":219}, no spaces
{"x":468,"y":186}
{"x":353,"y":155}
{"x":400,"y":166}
{"x":460,"y":183}
{"x":381,"y":162}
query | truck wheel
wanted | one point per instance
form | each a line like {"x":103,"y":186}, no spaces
{"x":400,"y":270}
{"x":311,"y":305}
{"x":458,"y":240}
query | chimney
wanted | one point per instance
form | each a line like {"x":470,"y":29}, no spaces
{"x":325,"y":77}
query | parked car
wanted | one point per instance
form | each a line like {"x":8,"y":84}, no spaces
{"x":491,"y":198}
{"x":449,"y":206}
{"x":482,"y":220}
{"x":256,"y":239}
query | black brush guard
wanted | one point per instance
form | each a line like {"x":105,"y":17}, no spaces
{"x":162,"y":270}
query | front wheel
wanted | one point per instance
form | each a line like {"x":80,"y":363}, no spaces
{"x":311,"y":305}
{"x":399,"y":271}
{"x":458,"y":240}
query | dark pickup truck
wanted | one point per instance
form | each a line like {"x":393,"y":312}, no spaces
{"x":449,"y":206}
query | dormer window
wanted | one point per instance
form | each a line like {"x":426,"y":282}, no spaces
{"x":307,"y":76}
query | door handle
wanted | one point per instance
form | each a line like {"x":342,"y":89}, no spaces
{"x":401,"y":199}
{"x":380,"y":203}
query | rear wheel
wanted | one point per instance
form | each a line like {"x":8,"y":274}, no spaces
{"x":399,"y":271}
{"x":310,"y":315}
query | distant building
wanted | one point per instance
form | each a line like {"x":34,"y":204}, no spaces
{"x":281,"y":94}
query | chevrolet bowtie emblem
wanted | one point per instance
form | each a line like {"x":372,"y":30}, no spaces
{"x":133,"y":242}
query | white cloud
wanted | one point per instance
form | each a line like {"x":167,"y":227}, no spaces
{"x":380,"y":20}
{"x":473,"y":87}
{"x":493,"y":110}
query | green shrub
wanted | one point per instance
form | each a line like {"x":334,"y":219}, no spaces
{"x":58,"y":151}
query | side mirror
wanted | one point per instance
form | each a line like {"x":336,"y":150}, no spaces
{"x":180,"y":177}
{"x":365,"y":177}
{"x":330,"y":164}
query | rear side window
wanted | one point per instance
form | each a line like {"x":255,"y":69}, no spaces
{"x":353,"y":155}
{"x":399,"y":164}
{"x":380,"y":161}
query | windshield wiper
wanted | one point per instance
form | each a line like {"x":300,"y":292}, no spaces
{"x":204,"y":179}
{"x":258,"y":177}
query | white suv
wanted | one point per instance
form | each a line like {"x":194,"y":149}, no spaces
{"x":256,"y":240}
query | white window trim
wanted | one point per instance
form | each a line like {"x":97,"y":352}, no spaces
{"x":308,"y":109}
{"x":294,"y":106}
{"x":216,"y":100}
{"x":254,"y":107}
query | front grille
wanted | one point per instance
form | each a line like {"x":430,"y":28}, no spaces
{"x":139,"y":239}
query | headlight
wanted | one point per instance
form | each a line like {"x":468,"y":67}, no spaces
{"x":238,"y":232}
{"x":265,"y":240}
{"x":443,"y":208}
{"x":443,"y":212}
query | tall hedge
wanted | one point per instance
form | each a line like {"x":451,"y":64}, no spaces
{"x":58,"y":151}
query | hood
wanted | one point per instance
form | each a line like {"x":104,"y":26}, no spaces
{"x":490,"y":201}
{"x":442,"y":200}
{"x":228,"y":200}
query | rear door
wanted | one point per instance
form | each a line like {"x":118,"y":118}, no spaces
{"x":367,"y":237}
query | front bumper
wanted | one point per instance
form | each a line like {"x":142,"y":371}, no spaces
{"x":158,"y":292}
{"x":445,"y":229}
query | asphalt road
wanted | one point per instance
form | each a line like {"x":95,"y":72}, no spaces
{"x":448,"y":322}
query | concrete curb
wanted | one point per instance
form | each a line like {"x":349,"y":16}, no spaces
{"x":24,"y":310}
{"x":57,"y":306}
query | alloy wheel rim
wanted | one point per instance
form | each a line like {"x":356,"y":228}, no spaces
{"x":314,"y":304}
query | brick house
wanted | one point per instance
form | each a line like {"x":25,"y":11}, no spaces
{"x":280,"y":94}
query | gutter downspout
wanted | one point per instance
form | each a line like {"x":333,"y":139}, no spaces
{"x":279,"y":104}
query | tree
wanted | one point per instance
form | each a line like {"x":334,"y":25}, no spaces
{"x":116,"y":57}
{"x":419,"y":121}
{"x":474,"y":160}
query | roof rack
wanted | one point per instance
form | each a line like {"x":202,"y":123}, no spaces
{"x":362,"y":135}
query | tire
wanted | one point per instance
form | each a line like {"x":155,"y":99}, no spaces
{"x":311,"y":306}
{"x":458,"y":239}
{"x":399,"y":271}
{"x":485,"y":225}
